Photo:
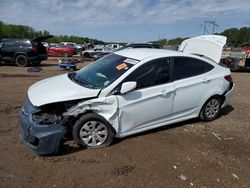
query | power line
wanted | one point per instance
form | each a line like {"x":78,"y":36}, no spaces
{"x":206,"y":24}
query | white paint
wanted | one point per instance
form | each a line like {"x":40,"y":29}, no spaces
{"x":207,"y":45}
{"x":58,"y":89}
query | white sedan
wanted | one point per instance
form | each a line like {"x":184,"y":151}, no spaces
{"x":127,"y":92}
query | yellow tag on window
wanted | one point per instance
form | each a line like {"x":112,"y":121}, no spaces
{"x":121,"y":66}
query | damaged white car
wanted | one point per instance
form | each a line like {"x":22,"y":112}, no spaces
{"x":125,"y":93}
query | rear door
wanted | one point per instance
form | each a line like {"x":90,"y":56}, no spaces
{"x":192,"y":83}
{"x":9,"y":48}
{"x":151,"y":102}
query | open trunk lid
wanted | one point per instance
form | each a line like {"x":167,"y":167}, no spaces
{"x":210,"y":46}
{"x":41,"y":38}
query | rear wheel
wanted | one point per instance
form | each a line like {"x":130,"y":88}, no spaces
{"x":92,"y":131}
{"x":21,"y":61}
{"x":211,"y":109}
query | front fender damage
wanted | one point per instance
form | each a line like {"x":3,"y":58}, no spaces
{"x":106,"y":107}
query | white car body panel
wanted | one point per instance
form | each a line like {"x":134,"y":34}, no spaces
{"x":210,"y":46}
{"x":142,"y":109}
{"x":149,"y":100}
{"x":58,"y":89}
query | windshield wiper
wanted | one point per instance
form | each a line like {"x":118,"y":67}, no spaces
{"x":82,"y":82}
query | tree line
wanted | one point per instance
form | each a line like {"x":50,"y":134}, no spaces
{"x":22,"y":31}
{"x":235,"y":37}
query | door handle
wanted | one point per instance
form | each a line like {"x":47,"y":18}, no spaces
{"x":205,"y":80}
{"x":165,"y":92}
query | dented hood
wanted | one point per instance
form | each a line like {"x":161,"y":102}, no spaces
{"x":58,"y":89}
{"x":210,"y":46}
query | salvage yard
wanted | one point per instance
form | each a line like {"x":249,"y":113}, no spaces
{"x":188,"y":154}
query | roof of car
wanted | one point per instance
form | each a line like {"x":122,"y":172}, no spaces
{"x":143,"y":53}
{"x":12,"y":39}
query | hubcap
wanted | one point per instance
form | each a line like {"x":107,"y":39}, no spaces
{"x":93,"y":133}
{"x":21,"y":60}
{"x":212,"y":108}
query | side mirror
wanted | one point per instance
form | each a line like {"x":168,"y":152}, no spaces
{"x":127,"y":87}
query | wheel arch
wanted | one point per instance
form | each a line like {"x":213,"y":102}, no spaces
{"x":221,"y":97}
{"x":20,"y":53}
{"x":76,"y":118}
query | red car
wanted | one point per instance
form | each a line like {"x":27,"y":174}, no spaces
{"x":246,"y":48}
{"x":59,"y":49}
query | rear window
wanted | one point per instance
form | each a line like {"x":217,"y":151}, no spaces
{"x":185,"y":67}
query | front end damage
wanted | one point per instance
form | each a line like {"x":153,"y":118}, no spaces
{"x":41,"y":132}
{"x":106,"y":107}
{"x":42,"y":129}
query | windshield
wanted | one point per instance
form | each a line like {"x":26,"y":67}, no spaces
{"x":104,"y":71}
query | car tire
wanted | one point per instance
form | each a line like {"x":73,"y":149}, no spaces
{"x":22,"y":61}
{"x":86,"y":55}
{"x":211,"y":109}
{"x":93,"y":131}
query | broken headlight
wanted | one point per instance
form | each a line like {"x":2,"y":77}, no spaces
{"x":46,"y":118}
{"x":52,"y":113}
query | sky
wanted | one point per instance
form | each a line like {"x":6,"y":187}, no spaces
{"x":126,"y":20}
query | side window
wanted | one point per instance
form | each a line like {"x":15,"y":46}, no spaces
{"x":24,"y":43}
{"x":185,"y":67}
{"x":9,"y":44}
{"x":151,"y":74}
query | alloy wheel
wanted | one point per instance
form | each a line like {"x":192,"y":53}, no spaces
{"x":93,"y":133}
{"x":212,"y":108}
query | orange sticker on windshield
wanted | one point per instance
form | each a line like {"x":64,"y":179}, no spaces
{"x":121,"y":66}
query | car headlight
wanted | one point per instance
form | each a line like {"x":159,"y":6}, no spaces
{"x":46,"y":118}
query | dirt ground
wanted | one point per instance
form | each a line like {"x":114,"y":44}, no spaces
{"x":188,"y":154}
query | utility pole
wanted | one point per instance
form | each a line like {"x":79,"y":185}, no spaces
{"x":213,"y":23}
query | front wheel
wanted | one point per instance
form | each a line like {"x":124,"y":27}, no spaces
{"x":93,"y":131}
{"x":211,"y":109}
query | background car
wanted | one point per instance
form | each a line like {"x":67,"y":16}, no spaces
{"x":60,"y":50}
{"x":96,"y":53}
{"x":72,"y":45}
{"x":140,"y":45}
{"x":23,"y":52}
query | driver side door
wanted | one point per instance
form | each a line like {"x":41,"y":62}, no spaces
{"x":151,"y":102}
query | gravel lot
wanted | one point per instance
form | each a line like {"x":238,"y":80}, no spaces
{"x":188,"y":154}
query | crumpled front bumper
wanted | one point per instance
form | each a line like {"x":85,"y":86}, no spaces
{"x":42,"y":139}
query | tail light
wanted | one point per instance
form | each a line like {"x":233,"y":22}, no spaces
{"x":228,"y":78}
{"x":34,"y":49}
